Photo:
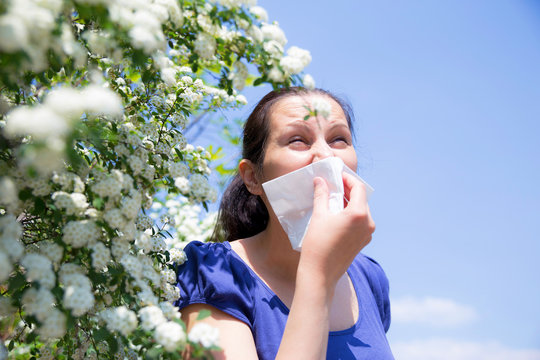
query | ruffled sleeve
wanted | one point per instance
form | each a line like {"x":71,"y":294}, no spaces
{"x":212,"y":276}
{"x":379,"y":285}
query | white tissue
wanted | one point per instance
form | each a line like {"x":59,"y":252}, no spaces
{"x":291,"y":195}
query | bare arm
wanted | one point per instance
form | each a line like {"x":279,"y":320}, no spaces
{"x":330,"y":246}
{"x":235,"y":338}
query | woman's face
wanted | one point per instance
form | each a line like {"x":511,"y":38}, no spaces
{"x":294,"y":142}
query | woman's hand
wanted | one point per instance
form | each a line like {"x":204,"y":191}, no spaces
{"x":331,"y":244}
{"x":333,"y":240}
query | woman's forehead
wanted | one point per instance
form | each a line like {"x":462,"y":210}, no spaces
{"x":294,"y":108}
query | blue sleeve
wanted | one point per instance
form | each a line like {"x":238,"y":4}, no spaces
{"x":212,"y":276}
{"x":380,"y":287}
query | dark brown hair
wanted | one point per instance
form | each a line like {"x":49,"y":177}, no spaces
{"x":242,"y":214}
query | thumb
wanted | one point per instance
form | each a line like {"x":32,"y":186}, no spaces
{"x":320,"y":195}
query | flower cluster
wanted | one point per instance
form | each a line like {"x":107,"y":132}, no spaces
{"x":100,"y":189}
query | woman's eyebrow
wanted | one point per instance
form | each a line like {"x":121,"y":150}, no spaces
{"x":298,"y":123}
{"x":338,"y":125}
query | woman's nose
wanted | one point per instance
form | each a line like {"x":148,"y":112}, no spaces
{"x":322,"y":151}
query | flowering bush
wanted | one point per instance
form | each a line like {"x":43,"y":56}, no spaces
{"x":94,"y":98}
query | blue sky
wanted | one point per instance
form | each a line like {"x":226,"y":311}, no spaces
{"x":447,"y":102}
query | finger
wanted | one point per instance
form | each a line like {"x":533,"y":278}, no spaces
{"x":320,"y":195}
{"x":355,"y":190}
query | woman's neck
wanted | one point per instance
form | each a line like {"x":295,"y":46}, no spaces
{"x":271,"y":249}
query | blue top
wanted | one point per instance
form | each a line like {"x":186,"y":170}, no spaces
{"x":215,"y":275}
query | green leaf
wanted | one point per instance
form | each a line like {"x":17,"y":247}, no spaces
{"x":98,"y":203}
{"x":39,"y":206}
{"x":259,"y":81}
{"x":16,"y":282}
{"x":203,"y":314}
{"x":153,"y":354}
{"x":113,"y":344}
{"x":100,"y":334}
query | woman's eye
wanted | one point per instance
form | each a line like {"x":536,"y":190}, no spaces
{"x":340,"y":140}
{"x":296,"y":140}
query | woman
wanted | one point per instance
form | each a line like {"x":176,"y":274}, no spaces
{"x":268,"y":300}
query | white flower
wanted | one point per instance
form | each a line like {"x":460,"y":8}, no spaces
{"x":144,"y":222}
{"x":169,"y":310}
{"x":101,"y":101}
{"x":187,"y":80}
{"x":168,"y":75}
{"x":132,"y":266}
{"x":240,"y":75}
{"x":78,"y":294}
{"x":66,"y":102}
{"x":130,"y":207}
{"x":204,"y":334}
{"x":255,"y":33}
{"x":136,"y":164}
{"x":80,"y":233}
{"x":200,"y":188}
{"x":309,"y":82}
{"x":205,"y":45}
{"x":8,"y":191}
{"x":291,"y":64}
{"x":168,"y":275}
{"x":13,"y":34}
{"x":120,"y":319}
{"x":108,"y":187}
{"x":302,"y":54}
{"x":170,"y":292}
{"x":114,"y":218}
{"x":39,"y":121}
{"x":10,"y":233}
{"x":321,"y":106}
{"x":69,"y":269}
{"x":274,"y":32}
{"x":274,"y":48}
{"x":276,"y":75}
{"x":46,"y":159}
{"x":100,"y":256}
{"x":241,"y":99}
{"x":39,"y":268}
{"x":296,"y":60}
{"x":151,"y":316}
{"x":40,"y":186}
{"x":170,"y":335}
{"x":119,"y":248}
{"x":260,"y":13}
{"x":129,"y":231}
{"x":177,"y":256}
{"x":46,"y":353}
{"x":157,"y":244}
{"x":73,"y":204}
{"x":52,"y":250}
{"x":5,"y":267}
{"x":144,"y":242}
{"x":68,"y":181}
{"x":146,"y":34}
{"x":6,"y":309}
{"x":54,"y":325}
{"x":38,"y":302}
{"x":178,"y":169}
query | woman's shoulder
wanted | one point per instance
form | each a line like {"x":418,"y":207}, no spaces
{"x":369,"y":266}
{"x":212,"y":275}
{"x":378,"y":282}
{"x":212,"y":261}
{"x":207,"y":249}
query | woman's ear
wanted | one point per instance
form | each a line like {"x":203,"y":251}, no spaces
{"x":248,"y":173}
